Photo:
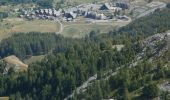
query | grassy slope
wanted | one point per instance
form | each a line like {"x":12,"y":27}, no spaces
{"x":14,"y":25}
{"x":34,"y":59}
{"x":80,"y":30}
{"x":80,"y":27}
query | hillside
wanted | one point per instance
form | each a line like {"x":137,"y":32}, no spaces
{"x":152,"y":63}
{"x":91,"y":65}
{"x":130,"y":61}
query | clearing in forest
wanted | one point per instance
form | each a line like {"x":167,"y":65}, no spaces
{"x":15,"y":25}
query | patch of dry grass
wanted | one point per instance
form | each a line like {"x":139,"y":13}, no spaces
{"x":4,"y":98}
{"x":81,"y":28}
{"x":34,"y":59}
{"x":13,"y":61}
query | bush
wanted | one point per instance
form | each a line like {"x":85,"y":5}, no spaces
{"x":150,"y":91}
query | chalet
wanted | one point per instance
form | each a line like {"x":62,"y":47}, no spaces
{"x":46,"y":11}
{"x":106,"y":6}
{"x":21,"y":16}
{"x":90,"y":14}
{"x":109,"y":6}
{"x":101,"y":17}
{"x":95,"y":15}
{"x":32,"y":13}
{"x":37,"y":11}
{"x":50,"y":12}
{"x":70,"y":15}
{"x":25,"y":12}
{"x":168,"y":36}
{"x":16,"y":10}
{"x":41,"y":11}
{"x":56,"y":13}
{"x":123,"y":5}
{"x":123,"y":17}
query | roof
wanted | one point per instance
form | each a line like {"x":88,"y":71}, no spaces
{"x":107,"y":5}
{"x":56,"y":13}
{"x":74,"y":15}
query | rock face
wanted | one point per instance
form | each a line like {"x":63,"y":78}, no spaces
{"x":165,"y":86}
{"x":15,"y":63}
